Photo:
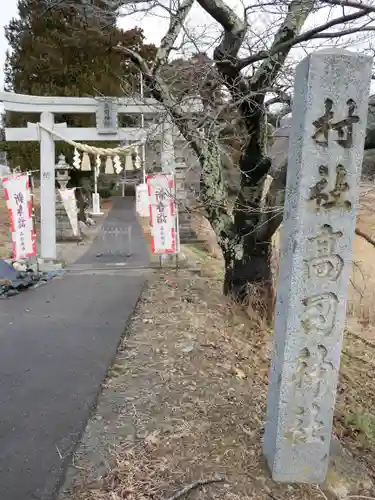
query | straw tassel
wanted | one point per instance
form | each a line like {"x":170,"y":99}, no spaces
{"x":109,"y":166}
{"x":86,"y":164}
{"x":128,"y":162}
{"x":117,"y":164}
{"x":98,"y":165}
{"x":76,"y":159}
{"x":137,"y":160}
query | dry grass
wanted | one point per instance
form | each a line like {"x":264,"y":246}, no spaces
{"x":193,"y":387}
{"x":362,"y":289}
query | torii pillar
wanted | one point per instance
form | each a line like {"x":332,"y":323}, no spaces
{"x":47,"y":189}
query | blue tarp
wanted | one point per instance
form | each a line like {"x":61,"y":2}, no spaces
{"x":12,"y":281}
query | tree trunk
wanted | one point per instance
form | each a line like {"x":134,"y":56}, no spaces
{"x":248,"y":280}
{"x":242,"y":236}
{"x":248,"y":274}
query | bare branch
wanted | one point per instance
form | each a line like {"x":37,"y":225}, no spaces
{"x":136,"y":59}
{"x":307,"y":35}
{"x":339,"y":34}
{"x":224,"y":15}
{"x":276,"y":100}
{"x":162,"y":93}
{"x":350,"y":3}
{"x":297,"y":14}
{"x":225,"y":54}
{"x":234,"y":29}
{"x":176,"y":23}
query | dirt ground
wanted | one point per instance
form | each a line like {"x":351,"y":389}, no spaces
{"x":184,"y":402}
{"x":185,"y":399}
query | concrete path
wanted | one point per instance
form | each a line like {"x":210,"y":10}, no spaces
{"x":56,"y":344}
{"x":112,"y":246}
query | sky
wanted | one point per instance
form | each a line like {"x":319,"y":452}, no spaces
{"x":154,"y":28}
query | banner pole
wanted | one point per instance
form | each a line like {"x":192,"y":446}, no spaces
{"x":31,"y":184}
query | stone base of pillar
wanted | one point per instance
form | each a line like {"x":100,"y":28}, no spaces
{"x":186,"y":233}
{"x":96,"y":211}
{"x":48,"y":265}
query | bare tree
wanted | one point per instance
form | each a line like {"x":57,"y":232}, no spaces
{"x":252,"y":61}
{"x":252,"y":68}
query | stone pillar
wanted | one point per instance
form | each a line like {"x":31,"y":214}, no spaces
{"x":185,"y":232}
{"x":167,"y":148}
{"x":47,"y":189}
{"x":324,"y":167}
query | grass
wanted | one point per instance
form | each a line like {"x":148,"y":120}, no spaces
{"x":115,"y":371}
{"x":361,"y":422}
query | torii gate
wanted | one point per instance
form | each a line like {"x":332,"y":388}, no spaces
{"x":106,"y":110}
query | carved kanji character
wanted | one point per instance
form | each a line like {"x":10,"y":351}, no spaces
{"x":344,"y":128}
{"x":324,"y":262}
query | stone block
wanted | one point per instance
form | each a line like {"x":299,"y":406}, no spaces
{"x":324,"y":167}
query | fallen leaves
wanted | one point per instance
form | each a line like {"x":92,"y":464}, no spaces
{"x":152,"y":440}
{"x":239,"y":373}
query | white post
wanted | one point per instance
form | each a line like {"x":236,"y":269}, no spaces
{"x":95,"y":180}
{"x":143,"y":148}
{"x":143,"y":161}
{"x":176,"y":201}
{"x":123,"y":181}
{"x":47,"y":189}
{"x":95,"y":196}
